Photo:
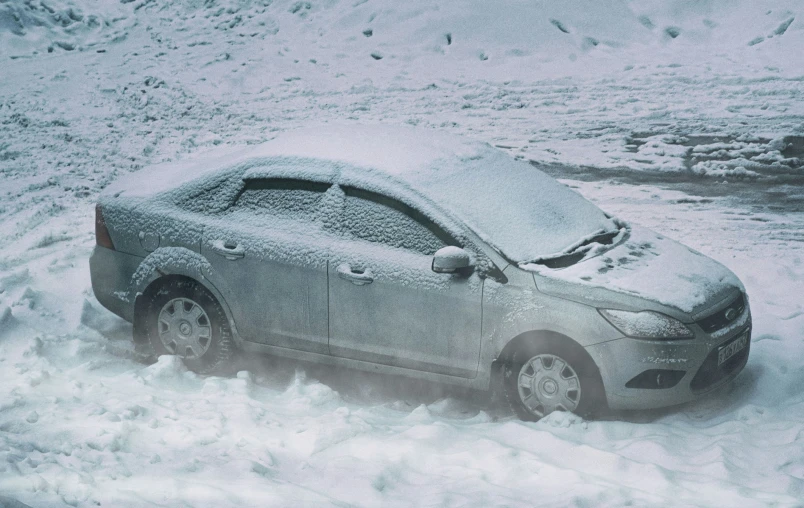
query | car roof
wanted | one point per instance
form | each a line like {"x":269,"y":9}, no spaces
{"x":398,"y":151}
{"x":324,"y":153}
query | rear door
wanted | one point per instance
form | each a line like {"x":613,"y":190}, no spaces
{"x":386,"y":304}
{"x":265,"y":247}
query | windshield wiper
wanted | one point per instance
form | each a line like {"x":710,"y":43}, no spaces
{"x":605,"y":238}
{"x":577,"y":252}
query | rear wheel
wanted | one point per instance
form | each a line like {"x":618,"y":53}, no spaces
{"x":183,"y":318}
{"x":543,"y":378}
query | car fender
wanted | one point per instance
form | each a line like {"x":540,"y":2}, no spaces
{"x":179,"y":261}
{"x":514,"y":311}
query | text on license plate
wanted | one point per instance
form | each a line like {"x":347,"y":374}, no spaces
{"x":732,"y":348}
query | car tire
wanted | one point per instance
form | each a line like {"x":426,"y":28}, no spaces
{"x":542,"y":377}
{"x":181,"y":317}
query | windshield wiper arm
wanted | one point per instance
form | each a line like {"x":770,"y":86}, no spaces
{"x":604,"y":238}
{"x":577,"y":252}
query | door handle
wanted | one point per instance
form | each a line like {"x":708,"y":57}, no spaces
{"x":227,"y":250}
{"x":357,"y":278}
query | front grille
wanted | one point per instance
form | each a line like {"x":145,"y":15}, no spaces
{"x":723,"y":317}
{"x":710,"y":373}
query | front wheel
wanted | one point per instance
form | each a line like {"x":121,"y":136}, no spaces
{"x":183,"y":318}
{"x":541,"y":380}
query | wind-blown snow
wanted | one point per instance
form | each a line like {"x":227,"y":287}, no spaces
{"x":629,"y":87}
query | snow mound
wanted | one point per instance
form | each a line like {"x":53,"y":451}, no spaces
{"x":95,"y":317}
{"x":308,"y":394}
{"x":169,"y":372}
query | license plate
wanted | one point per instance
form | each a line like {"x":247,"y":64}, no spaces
{"x":731,"y":349}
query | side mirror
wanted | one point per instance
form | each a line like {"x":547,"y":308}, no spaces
{"x":450,"y":260}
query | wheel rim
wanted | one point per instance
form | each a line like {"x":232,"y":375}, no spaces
{"x":548,"y":383}
{"x":184,"y":328}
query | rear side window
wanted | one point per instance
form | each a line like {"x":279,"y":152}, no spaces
{"x":379,"y":219}
{"x":212,"y":196}
{"x":291,"y":199}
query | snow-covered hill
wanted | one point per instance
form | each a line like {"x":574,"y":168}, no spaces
{"x":705,"y":95}
{"x":509,"y":39}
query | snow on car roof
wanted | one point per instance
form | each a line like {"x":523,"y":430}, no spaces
{"x":395,"y":150}
{"x":167,"y":176}
{"x":524,"y":213}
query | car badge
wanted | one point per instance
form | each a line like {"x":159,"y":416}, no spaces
{"x":731,"y":314}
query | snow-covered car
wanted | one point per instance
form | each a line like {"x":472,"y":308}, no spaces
{"x":414,"y":252}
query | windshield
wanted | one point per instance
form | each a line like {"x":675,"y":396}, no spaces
{"x":524,"y":213}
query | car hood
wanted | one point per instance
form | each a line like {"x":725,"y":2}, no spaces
{"x":645,"y":271}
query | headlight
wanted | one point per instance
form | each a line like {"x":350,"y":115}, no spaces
{"x":647,"y":324}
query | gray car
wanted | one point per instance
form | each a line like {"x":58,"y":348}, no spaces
{"x":413,"y":252}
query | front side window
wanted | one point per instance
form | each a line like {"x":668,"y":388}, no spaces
{"x":379,"y":219}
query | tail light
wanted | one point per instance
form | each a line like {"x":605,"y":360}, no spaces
{"x":102,"y":236}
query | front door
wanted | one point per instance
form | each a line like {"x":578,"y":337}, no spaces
{"x":386,"y":305}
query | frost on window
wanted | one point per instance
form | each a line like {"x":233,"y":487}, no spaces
{"x":378,"y":219}
{"x":212,"y":195}
{"x":281,"y":198}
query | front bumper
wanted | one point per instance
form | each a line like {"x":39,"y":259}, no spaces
{"x":694,"y":362}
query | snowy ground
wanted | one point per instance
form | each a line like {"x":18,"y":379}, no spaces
{"x":696,"y":135}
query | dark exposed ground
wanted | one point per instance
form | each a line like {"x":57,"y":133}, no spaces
{"x":780,"y":195}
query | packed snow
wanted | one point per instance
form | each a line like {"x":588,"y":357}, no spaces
{"x":683,"y":117}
